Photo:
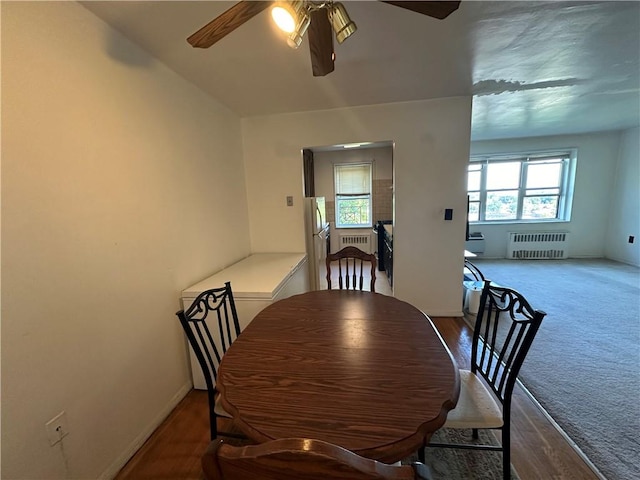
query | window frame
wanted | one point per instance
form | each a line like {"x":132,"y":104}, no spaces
{"x":353,"y":196}
{"x":565,"y":188}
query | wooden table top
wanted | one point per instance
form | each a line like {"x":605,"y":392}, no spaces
{"x":361,"y":370}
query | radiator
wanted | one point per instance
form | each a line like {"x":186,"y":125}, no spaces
{"x":361,"y":241}
{"x":538,"y":245}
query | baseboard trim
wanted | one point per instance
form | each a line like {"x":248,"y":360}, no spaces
{"x":625,"y":261}
{"x":445,"y":313}
{"x":555,"y":425}
{"x":115,"y":467}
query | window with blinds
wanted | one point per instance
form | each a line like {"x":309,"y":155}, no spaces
{"x":521,"y":187}
{"x":353,"y":195}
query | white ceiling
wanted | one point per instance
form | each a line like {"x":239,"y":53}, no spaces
{"x":533,"y":68}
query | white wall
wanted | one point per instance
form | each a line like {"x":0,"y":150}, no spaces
{"x":122,"y":184}
{"x":430,"y":159}
{"x":595,"y":174}
{"x":624,"y":217}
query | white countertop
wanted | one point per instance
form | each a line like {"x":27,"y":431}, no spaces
{"x":259,"y":275}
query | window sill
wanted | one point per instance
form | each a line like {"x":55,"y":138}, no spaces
{"x":360,"y":227}
{"x":520,"y":222}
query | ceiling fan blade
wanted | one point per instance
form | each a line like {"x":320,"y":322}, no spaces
{"x":438,"y":10}
{"x":226,"y":23}
{"x":321,"y":43}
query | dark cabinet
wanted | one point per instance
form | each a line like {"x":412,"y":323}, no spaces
{"x":385,"y":248}
{"x":381,"y":235}
{"x":388,"y":256}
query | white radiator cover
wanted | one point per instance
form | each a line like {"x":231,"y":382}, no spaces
{"x":538,"y":245}
{"x":361,"y":241}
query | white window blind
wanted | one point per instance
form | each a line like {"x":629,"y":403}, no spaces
{"x":353,"y":179}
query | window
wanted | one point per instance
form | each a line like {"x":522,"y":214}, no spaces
{"x":521,"y":187}
{"x":353,"y":195}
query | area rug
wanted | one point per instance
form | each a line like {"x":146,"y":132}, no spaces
{"x":458,"y":464}
{"x":584,"y":365}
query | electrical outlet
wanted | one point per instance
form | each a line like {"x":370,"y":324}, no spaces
{"x":57,"y":428}
{"x":632,"y":239}
{"x":289,"y":201}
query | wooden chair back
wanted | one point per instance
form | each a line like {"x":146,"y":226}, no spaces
{"x":351,"y":267}
{"x":299,"y":459}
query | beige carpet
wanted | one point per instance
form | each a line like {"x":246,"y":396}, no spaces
{"x":584,"y":365}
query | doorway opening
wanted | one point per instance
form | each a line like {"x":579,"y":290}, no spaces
{"x":364,"y":217}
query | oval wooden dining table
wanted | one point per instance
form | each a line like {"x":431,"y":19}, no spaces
{"x":361,"y":370}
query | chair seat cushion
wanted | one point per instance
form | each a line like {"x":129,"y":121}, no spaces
{"x":477,"y":406}
{"x":219,"y":409}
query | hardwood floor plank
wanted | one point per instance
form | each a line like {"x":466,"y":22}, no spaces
{"x":539,"y":451}
{"x":174,"y":450}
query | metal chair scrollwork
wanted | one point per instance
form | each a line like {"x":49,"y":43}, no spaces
{"x":471,"y":272}
{"x":211,"y":325}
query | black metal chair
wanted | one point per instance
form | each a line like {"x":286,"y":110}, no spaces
{"x":299,"y":459}
{"x":471,"y":272}
{"x":211,"y":325}
{"x":351,"y":268}
{"x":504,"y":330}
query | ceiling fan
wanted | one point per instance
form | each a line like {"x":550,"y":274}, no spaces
{"x":318,"y":18}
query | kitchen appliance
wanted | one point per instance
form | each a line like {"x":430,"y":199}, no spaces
{"x":317,"y":239}
{"x":381,"y":234}
{"x":257,"y":281}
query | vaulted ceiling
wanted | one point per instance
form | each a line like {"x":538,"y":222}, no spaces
{"x":533,"y":68}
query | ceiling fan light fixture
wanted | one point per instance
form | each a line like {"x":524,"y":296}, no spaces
{"x":295,"y":39}
{"x":288,"y":15}
{"x":342,"y":25}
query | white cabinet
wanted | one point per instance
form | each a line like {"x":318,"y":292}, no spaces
{"x":256,"y":282}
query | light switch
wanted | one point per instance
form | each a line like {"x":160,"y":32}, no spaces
{"x":289,"y":201}
{"x":448,"y":213}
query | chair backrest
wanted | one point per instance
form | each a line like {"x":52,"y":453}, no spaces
{"x":299,"y":459}
{"x":350,"y":262}
{"x":505,"y":327}
{"x":211,"y":325}
{"x":471,"y":272}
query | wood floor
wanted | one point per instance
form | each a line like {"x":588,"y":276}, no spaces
{"x":539,"y":451}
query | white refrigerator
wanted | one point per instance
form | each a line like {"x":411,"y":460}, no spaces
{"x":317,"y":240}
